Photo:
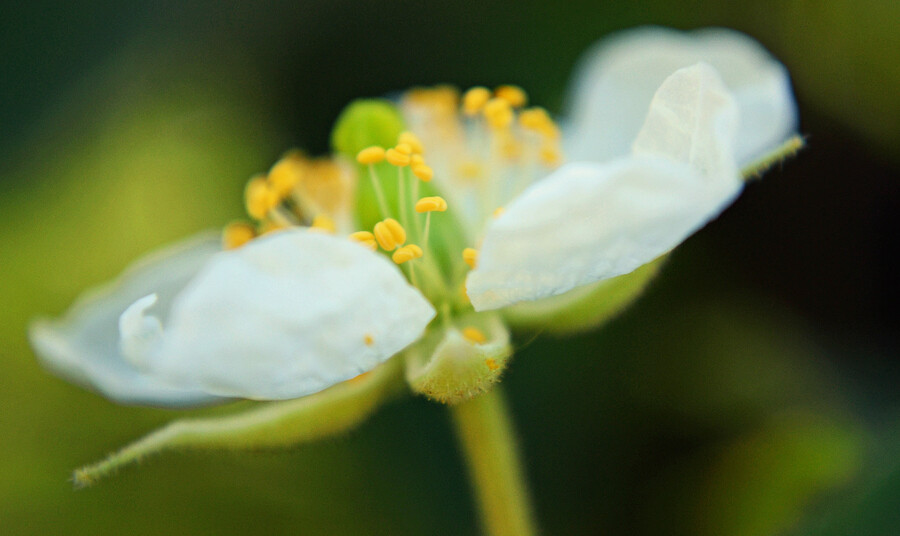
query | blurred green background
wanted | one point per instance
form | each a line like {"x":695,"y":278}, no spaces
{"x":752,"y":391}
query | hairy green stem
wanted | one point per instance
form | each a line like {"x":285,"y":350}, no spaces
{"x":488,"y":441}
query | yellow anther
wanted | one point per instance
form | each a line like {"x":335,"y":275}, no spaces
{"x":408,"y":138}
{"x":404,"y":148}
{"x":396,"y":157}
{"x":285,"y":174}
{"x":538,"y":120}
{"x":368,"y":339}
{"x":407,"y":253}
{"x":550,"y":155}
{"x":499,"y":212}
{"x":365,"y":238}
{"x":260,"y":198}
{"x":237,"y":234}
{"x":431,"y":204}
{"x":475,"y":99}
{"x":491,"y":364}
{"x":370,"y":155}
{"x":423,"y":172}
{"x":416,"y":160}
{"x":514,"y":95}
{"x":473,"y":334}
{"x":323,"y":223}
{"x":498,"y":113}
{"x":470,"y":256}
{"x":389,"y":234}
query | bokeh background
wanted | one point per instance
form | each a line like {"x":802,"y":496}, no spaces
{"x":754,"y":390}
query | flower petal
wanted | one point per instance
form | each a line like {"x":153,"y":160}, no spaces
{"x":618,"y":77}
{"x":288,"y":315}
{"x":588,"y":221}
{"x":84,"y":344}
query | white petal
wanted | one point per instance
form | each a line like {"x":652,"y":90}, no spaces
{"x":289,"y":315}
{"x":618,"y":78}
{"x":588,"y":222}
{"x":84,"y":344}
{"x":693,"y":120}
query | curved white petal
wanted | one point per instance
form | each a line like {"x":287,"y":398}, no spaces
{"x":618,"y":77}
{"x":83,"y":345}
{"x":289,"y":315}
{"x":588,"y":221}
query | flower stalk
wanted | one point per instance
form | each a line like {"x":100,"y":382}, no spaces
{"x":486,"y":435}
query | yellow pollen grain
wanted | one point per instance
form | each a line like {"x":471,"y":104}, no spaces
{"x":491,"y":364}
{"x":431,"y":204}
{"x":413,"y":141}
{"x":260,"y":198}
{"x":470,"y":256}
{"x":365,"y":238}
{"x":498,"y":113}
{"x":407,"y":253}
{"x":475,"y":99}
{"x":499,"y":212}
{"x":323,"y":223}
{"x":389,"y":234}
{"x":237,"y":234}
{"x":514,"y":95}
{"x":396,"y":157}
{"x":369,"y":339}
{"x":423,"y":172}
{"x":474,"y":334}
{"x":370,"y":155}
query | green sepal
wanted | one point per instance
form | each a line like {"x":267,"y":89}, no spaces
{"x":449,"y":368}
{"x":270,"y":425}
{"x":583,"y":308}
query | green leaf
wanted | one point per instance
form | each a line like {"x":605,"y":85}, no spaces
{"x":270,"y":425}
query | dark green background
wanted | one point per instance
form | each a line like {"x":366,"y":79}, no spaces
{"x":752,"y":391}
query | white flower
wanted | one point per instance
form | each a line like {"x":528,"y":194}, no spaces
{"x":655,"y":141}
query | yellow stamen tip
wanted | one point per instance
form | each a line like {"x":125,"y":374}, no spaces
{"x":407,"y":253}
{"x":431,"y":204}
{"x":286,"y":173}
{"x":470,"y":256}
{"x":237,"y":234}
{"x":389,"y":234}
{"x":260,"y":198}
{"x":396,"y":157}
{"x":323,"y":223}
{"x":404,"y":148}
{"x":514,"y":95}
{"x":475,"y":99}
{"x":416,"y":160}
{"x":370,"y":155}
{"x":491,"y":364}
{"x":365,"y":238}
{"x":474,"y":334}
{"x":368,"y":339}
{"x":550,"y":155}
{"x":410,"y":139}
{"x":498,"y":113}
{"x":499,"y":212}
{"x":423,"y":172}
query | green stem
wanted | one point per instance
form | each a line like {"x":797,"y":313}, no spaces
{"x":486,"y":435}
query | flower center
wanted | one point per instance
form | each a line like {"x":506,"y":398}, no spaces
{"x":481,"y":148}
